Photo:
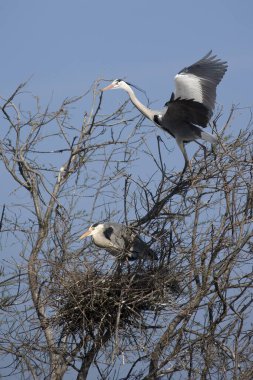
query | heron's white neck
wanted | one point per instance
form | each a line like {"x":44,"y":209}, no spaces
{"x":147,"y":112}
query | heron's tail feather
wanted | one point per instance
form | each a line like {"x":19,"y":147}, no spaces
{"x":208,"y":137}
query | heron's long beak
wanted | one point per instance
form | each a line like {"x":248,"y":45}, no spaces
{"x":87,"y":233}
{"x":110,"y":87}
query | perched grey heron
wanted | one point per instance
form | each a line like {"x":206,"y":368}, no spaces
{"x":190,"y":106}
{"x":119,"y":240}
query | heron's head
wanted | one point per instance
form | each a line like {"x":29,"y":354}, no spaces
{"x":117,"y":84}
{"x":93,"y":229}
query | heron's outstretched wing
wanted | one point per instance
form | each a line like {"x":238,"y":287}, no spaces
{"x":180,"y":111}
{"x":198,"y":82}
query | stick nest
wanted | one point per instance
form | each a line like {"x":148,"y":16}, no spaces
{"x":83,"y":300}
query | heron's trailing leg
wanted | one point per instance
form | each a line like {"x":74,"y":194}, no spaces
{"x":205,"y":151}
{"x":186,"y":165}
{"x":183,"y":150}
{"x":203,"y":147}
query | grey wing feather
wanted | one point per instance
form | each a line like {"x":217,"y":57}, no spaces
{"x":199,"y":81}
{"x":117,"y":237}
{"x":139,"y":249}
{"x":126,"y":240}
{"x":208,"y":67}
{"x":185,"y":111}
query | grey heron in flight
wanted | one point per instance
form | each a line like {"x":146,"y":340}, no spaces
{"x":190,"y":106}
{"x":119,"y":240}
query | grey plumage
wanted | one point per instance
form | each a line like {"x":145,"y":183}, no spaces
{"x":210,"y":71}
{"x":119,"y":240}
{"x":194,"y":98}
{"x":192,"y":104}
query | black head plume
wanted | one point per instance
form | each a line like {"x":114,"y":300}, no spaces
{"x":130,"y":84}
{"x":137,"y":88}
{"x":133,"y":85}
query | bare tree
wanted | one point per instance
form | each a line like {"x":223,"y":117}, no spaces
{"x":74,"y":308}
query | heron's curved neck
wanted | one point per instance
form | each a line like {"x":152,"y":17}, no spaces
{"x":147,"y":112}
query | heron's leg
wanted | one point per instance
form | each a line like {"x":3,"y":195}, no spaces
{"x":203,"y":147}
{"x":187,"y":163}
{"x":183,"y":150}
{"x":205,"y":150}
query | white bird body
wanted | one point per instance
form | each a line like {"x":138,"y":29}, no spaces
{"x":119,"y":240}
{"x":192,"y":104}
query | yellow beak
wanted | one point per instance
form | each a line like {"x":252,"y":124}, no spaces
{"x":108,"y":87}
{"x":87,"y":233}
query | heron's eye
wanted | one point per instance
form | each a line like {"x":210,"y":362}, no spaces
{"x":94,"y":225}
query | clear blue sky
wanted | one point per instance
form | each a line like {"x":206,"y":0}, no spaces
{"x":66,"y":44}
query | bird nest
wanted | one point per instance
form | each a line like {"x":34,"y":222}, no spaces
{"x":91,"y":299}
